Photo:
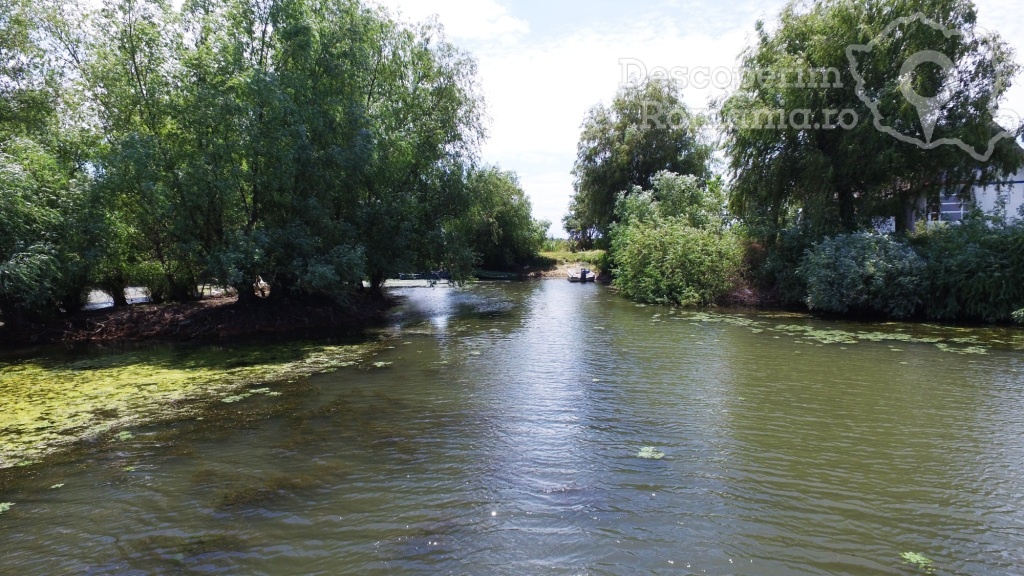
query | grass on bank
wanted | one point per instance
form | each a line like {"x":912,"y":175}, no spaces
{"x":595,"y":258}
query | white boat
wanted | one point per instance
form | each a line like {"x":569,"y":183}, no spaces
{"x":581,"y":275}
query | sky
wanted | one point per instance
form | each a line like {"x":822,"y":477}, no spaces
{"x":544,"y":63}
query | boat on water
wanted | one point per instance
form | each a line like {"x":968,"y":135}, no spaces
{"x":581,"y":275}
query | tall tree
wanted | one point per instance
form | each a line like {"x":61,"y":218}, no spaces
{"x":500,"y":224}
{"x":425,"y":120}
{"x":647,"y":129}
{"x":41,"y":192}
{"x":802,"y":141}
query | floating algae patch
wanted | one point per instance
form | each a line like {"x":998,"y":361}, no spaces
{"x":980,"y":350}
{"x":920,"y":561}
{"x":818,"y":335}
{"x":650,"y":453}
{"x":50,"y":403}
{"x":952,"y":339}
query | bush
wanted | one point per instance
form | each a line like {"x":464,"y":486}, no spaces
{"x":777,"y":267}
{"x":974,"y":271}
{"x":556,"y":245}
{"x":863,"y":273}
{"x":670,"y":262}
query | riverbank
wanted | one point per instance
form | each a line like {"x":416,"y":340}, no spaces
{"x":212,"y":319}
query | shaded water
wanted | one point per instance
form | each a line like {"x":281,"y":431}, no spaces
{"x":497,"y":429}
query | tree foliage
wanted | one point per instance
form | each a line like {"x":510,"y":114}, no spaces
{"x":671,"y":244}
{"x":975,"y":271}
{"x":802,"y":144}
{"x":863,"y":273}
{"x":500,"y":224}
{"x":43,"y":227}
{"x":313,"y":143}
{"x":647,"y":129}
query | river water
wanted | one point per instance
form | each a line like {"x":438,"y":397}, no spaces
{"x":497,"y":429}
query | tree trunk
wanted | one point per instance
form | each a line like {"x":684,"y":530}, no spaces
{"x":847,"y":211}
{"x":120,"y":300}
{"x":907,"y":220}
{"x":246,"y":294}
{"x":377,"y":285}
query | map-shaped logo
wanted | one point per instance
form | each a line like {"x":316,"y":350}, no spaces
{"x":929,"y":108}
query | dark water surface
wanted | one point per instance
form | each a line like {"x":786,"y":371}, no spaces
{"x":497,"y":431}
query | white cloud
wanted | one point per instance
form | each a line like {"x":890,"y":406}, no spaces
{"x":538,"y":88}
{"x":464,"y":19}
{"x":539,"y":94}
{"x":1003,"y":16}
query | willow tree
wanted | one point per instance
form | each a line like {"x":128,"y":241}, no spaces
{"x":424,"y":112}
{"x":499,"y":225}
{"x":311,"y":142}
{"x":647,"y":129}
{"x":851,"y":110}
{"x":42,"y":229}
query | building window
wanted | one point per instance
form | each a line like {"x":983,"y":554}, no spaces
{"x":951,"y":209}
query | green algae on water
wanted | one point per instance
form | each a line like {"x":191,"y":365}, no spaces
{"x":651,"y":453}
{"x":920,"y":561}
{"x":5,"y":506}
{"x":50,"y":403}
{"x":949,"y":339}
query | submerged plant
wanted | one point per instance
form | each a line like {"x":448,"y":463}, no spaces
{"x":5,"y":506}
{"x":651,"y":453}
{"x":920,"y":561}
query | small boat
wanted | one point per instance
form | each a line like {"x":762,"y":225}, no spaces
{"x":581,"y":275}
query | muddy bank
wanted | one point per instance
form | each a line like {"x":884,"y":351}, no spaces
{"x":211,"y":319}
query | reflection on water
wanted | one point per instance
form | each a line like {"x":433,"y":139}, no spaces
{"x":497,"y":431}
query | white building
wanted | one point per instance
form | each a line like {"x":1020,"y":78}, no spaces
{"x":1008,"y":196}
{"x":1004,"y":198}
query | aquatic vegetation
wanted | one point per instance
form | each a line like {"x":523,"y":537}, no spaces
{"x":920,"y":561}
{"x":262,"y":493}
{"x":817,"y":335}
{"x":178,"y":549}
{"x":50,"y":403}
{"x":945,"y":338}
{"x":651,"y":453}
{"x":56,"y":486}
{"x":249,"y":394}
{"x":5,"y":506}
{"x":979,"y":350}
{"x":125,"y":435}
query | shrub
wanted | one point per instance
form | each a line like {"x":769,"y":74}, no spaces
{"x":777,"y":268}
{"x":670,"y":262}
{"x":974,"y":271}
{"x":863,"y":273}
